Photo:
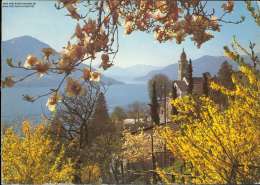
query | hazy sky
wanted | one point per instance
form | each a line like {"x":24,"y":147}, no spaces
{"x":51,"y":26}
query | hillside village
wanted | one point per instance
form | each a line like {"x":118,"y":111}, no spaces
{"x":159,"y":155}
{"x":181,"y":85}
{"x":88,"y":99}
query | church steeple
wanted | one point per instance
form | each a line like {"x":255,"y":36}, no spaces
{"x":183,"y":55}
{"x":183,"y":65}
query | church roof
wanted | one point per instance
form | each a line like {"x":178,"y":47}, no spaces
{"x":183,"y":54}
{"x":197,"y":80}
{"x":181,"y":85}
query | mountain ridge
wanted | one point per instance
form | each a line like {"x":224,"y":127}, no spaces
{"x":202,"y":64}
{"x":19,"y":48}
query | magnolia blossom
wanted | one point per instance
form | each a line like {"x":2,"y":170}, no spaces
{"x":86,"y":74}
{"x":52,"y":101}
{"x":75,"y":52}
{"x":8,"y":82}
{"x":95,"y":76}
{"x":159,"y":34}
{"x":90,"y":26}
{"x":30,"y":61}
{"x":65,"y":65}
{"x":105,"y":61}
{"x":228,"y":6}
{"x":42,"y":68}
{"x":74,"y":88}
{"x":73,"y":12}
{"x":105,"y":57}
{"x":128,"y":27}
{"x":214,"y":23}
{"x":47,"y":52}
{"x":78,"y":32}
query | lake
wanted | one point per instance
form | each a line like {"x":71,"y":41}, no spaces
{"x":13,"y":107}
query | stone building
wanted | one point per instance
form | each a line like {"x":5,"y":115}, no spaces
{"x":182,"y":83}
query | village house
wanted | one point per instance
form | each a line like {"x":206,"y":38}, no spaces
{"x":181,"y":85}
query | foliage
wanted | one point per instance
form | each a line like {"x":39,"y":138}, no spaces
{"x":96,"y":36}
{"x":190,"y":78}
{"x":220,"y":146}
{"x":90,"y":174}
{"x":118,"y":114}
{"x":174,"y":96}
{"x":100,"y":122}
{"x":205,"y":84}
{"x":137,"y":147}
{"x":32,"y":159}
{"x":105,"y":149}
{"x":82,"y":123}
{"x":224,"y":75}
{"x":138,"y":111}
{"x":254,"y":10}
{"x":154,"y":106}
{"x":163,"y":86}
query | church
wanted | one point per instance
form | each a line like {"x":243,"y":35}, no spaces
{"x":182,"y":82}
{"x":182,"y":87}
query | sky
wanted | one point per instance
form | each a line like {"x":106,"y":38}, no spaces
{"x":52,"y":27}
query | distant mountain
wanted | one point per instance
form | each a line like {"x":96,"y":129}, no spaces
{"x":130,"y":73}
{"x":203,"y":64}
{"x":18,"y":49}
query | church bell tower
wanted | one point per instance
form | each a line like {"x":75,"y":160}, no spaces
{"x":183,"y":66}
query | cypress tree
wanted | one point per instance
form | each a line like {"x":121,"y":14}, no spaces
{"x":225,"y":75}
{"x":190,"y":78}
{"x":154,"y":106}
{"x":100,"y":123}
{"x":205,"y":85}
{"x":174,"y":96}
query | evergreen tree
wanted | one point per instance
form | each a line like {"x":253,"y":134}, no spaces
{"x":224,"y":77}
{"x":190,"y":78}
{"x":118,"y":114}
{"x":163,"y":86}
{"x":205,"y":84}
{"x":174,"y":96}
{"x":100,"y":123}
{"x":154,"y":106}
{"x":225,"y":74}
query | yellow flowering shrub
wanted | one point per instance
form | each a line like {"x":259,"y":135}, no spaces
{"x":219,"y":146}
{"x":137,"y":147}
{"x":32,"y":158}
{"x":91,"y":174}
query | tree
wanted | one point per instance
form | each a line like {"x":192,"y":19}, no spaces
{"x":154,"y":106}
{"x":190,"y":78}
{"x":118,"y":114}
{"x":224,"y":75}
{"x":174,"y":96}
{"x":163,"y":86}
{"x":100,"y":122}
{"x":33,"y":159}
{"x":71,"y":124}
{"x":103,"y":151}
{"x":82,"y":123}
{"x":137,"y":110}
{"x":254,"y":11}
{"x":136,"y":149}
{"x":104,"y":140}
{"x":91,"y":174}
{"x":220,"y":146}
{"x":97,"y":36}
{"x":205,"y":84}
